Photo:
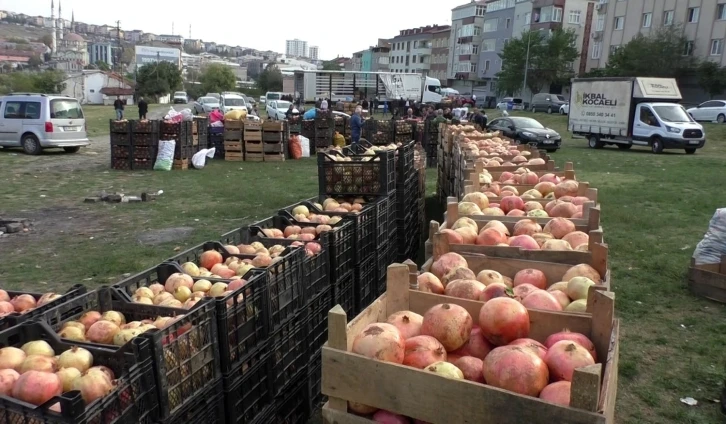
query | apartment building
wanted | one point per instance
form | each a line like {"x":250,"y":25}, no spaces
{"x":411,"y":49}
{"x":314,"y":52}
{"x":618,"y":21}
{"x":467,"y":21}
{"x":497,"y":29}
{"x":440,"y":54}
{"x":296,"y":48}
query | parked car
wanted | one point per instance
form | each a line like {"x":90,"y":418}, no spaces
{"x":272,"y":95}
{"x":215,"y":95}
{"x":262,"y":99}
{"x":232,"y":102}
{"x":565,"y":109}
{"x":276,"y":109}
{"x":511,"y":103}
{"x":546,"y":101}
{"x":205,"y":104}
{"x":527,"y":130}
{"x":710,"y":111}
{"x":181,"y":97}
{"x":41,"y":121}
{"x":250,"y":100}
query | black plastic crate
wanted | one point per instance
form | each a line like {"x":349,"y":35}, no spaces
{"x":362,"y":175}
{"x":290,"y":407}
{"x":407,"y":196}
{"x":315,"y":397}
{"x":317,"y":321}
{"x":404,"y":160}
{"x":133,"y":400}
{"x":207,"y":408}
{"x":344,"y":293}
{"x":145,"y":139}
{"x":285,"y":290}
{"x":315,"y":271}
{"x":248,"y":398}
{"x":382,"y":262}
{"x":119,"y":127}
{"x":392,"y":210}
{"x":382,"y":207}
{"x":216,"y":141}
{"x":145,"y":127}
{"x":15,"y":318}
{"x":120,"y":139}
{"x":184,"y":353}
{"x":181,"y":129}
{"x":365,"y":284}
{"x":289,"y":352}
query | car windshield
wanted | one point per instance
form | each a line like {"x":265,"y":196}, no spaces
{"x":516,"y":101}
{"x":180,"y":94}
{"x":273,"y":96}
{"x":520,"y":122}
{"x":561,"y":98}
{"x":283,"y":105}
{"x":234,"y":102}
{"x":672,"y":113}
{"x":65,"y":109}
{"x":209,"y":100}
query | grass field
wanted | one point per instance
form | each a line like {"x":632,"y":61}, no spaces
{"x":656,"y":208}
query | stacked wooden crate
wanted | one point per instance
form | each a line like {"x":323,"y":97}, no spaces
{"x":273,"y":140}
{"x":253,"y":142}
{"x":233,"y":140}
{"x":181,"y":133}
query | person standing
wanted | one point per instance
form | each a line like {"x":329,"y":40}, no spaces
{"x":356,"y":125}
{"x":143,"y":109}
{"x":364,"y":104}
{"x":118,"y":106}
{"x":324,"y":104}
{"x":385,"y":108}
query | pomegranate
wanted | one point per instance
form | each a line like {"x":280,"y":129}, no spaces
{"x":422,"y":351}
{"x":471,"y":367}
{"x":490,"y":237}
{"x":495,"y":290}
{"x":445,"y":369}
{"x":458,"y":273}
{"x":477,"y":346}
{"x":38,"y":347}
{"x":380,"y":341}
{"x":497,"y":225}
{"x":93,"y":386}
{"x":450,"y":324}
{"x":447,"y":262}
{"x":478,"y":198}
{"x":11,"y":358}
{"x":488,"y":276}
{"x":517,"y":369}
{"x":385,"y":417}
{"x":465,"y":289}
{"x":155,"y":288}
{"x":536,"y":346}
{"x":509,"y":203}
{"x":582,"y":270}
{"x":67,"y":375}
{"x":503,"y":320}
{"x":564,"y":357}
{"x":561,"y":297}
{"x":8,"y":378}
{"x":523,"y":290}
{"x":557,"y":392}
{"x":108,"y":372}
{"x":76,"y":357}
{"x":524,"y":242}
{"x":516,"y":212}
{"x":559,"y":227}
{"x":545,"y":187}
{"x":576,"y":238}
{"x":429,"y":283}
{"x":453,"y":236}
{"x":4,"y":296}
{"x":6,"y":308}
{"x":541,"y":299}
{"x":360,"y":409}
{"x":407,"y":322}
{"x":210,"y":258}
{"x":90,"y":318}
{"x":578,"y":338}
{"x":47,"y":298}
{"x":102,"y":332}
{"x":566,"y":188}
{"x":39,"y":363}
{"x":531,"y":276}
{"x":22,"y":303}
{"x":527,"y":227}
{"x":465,"y":222}
{"x":37,"y":387}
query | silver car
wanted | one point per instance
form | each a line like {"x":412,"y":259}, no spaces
{"x":42,"y":121}
{"x":206,"y":105}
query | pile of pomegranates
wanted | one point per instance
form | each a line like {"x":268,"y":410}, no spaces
{"x":492,"y":348}
{"x":35,"y":373}
{"x":23,"y":303}
{"x":450,"y":275}
{"x":110,"y":327}
{"x":558,"y":234}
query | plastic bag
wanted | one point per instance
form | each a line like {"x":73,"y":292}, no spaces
{"x":173,"y":116}
{"x":295,"y":147}
{"x":305,"y":146}
{"x":713,"y":245}
{"x":200,"y":158}
{"x":187,"y":114}
{"x":338,"y":140}
{"x":215,"y":116}
{"x":165,"y":157}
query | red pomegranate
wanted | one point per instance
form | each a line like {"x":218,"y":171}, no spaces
{"x":558,"y":392}
{"x":516,"y":368}
{"x":503,"y":320}
{"x":536,"y":346}
{"x":380,"y":341}
{"x":564,"y":357}
{"x":407,"y":322}
{"x":524,"y":242}
{"x":37,"y":387}
{"x":495,"y":290}
{"x":531,"y":276}
{"x":477,"y":346}
{"x":523,"y":290}
{"x":578,"y":338}
{"x":465,"y":289}
{"x":422,"y":351}
{"x":540,"y":299}
{"x":509,"y":203}
{"x":490,"y":237}
{"x":471,"y":367}
{"x":448,"y":323}
{"x":527,"y":227}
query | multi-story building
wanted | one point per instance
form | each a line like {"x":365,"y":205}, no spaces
{"x":373,"y":59}
{"x":314,"y":52}
{"x":101,"y":52}
{"x":411,"y":49}
{"x":171,"y":39}
{"x":298,"y":48}
{"x":133,"y":36}
{"x":617,"y":22}
{"x":148,"y":37}
{"x":466,"y":30}
{"x":496,"y":31}
{"x":440,"y":54}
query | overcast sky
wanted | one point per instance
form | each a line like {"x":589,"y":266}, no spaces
{"x":338,"y":28}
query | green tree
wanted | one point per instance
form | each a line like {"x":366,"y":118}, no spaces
{"x":50,"y":81}
{"x":550,"y":60}
{"x":270,"y":79}
{"x":658,"y":54}
{"x":158,"y":79}
{"x":712,"y":78}
{"x":47,"y":39}
{"x":34,"y":62}
{"x":103,"y":65}
{"x":216,"y":78}
{"x":331,"y":66}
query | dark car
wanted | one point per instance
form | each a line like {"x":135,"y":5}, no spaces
{"x":527,"y":131}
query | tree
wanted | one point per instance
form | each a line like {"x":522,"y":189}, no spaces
{"x":47,"y":39}
{"x":34,"y":62}
{"x":50,"y":81}
{"x":331,"y":66}
{"x":216,"y":78}
{"x":659,"y":54}
{"x":158,"y":79}
{"x":103,"y":65}
{"x":270,"y":79}
{"x":712,"y":78}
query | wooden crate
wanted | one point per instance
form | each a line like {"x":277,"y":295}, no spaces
{"x":233,"y":156}
{"x":253,"y":126}
{"x":232,"y":146}
{"x":708,"y":280}
{"x":419,"y":394}
{"x":252,"y":135}
{"x":568,"y":173}
{"x":254,"y":156}
{"x":272,"y":136}
{"x":180,"y":164}
{"x":274,"y":126}
{"x":234,"y":125}
{"x":233,"y":135}
{"x":253,"y":146}
{"x":274,"y":157}
{"x":273,"y":147}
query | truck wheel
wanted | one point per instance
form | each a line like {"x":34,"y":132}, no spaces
{"x":656,"y":145}
{"x":594,"y":142}
{"x":721,"y":118}
{"x":624,"y":146}
{"x":690,"y":151}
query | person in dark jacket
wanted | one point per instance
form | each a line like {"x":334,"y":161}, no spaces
{"x":356,"y":125}
{"x":480,"y":119}
{"x":143,"y":108}
{"x":289,"y":112}
{"x":118,"y":106}
{"x":365,"y":104}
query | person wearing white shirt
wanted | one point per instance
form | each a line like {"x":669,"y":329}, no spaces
{"x":324,"y":105}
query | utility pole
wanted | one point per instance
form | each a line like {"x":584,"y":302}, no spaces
{"x":526,"y":62}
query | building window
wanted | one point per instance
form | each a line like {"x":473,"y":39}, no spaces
{"x":489,"y":45}
{"x":614,"y":49}
{"x":721,"y":12}
{"x":600,"y":25}
{"x":596,"y":49}
{"x":692,"y":14}
{"x":413,"y":60}
{"x":486,"y":66}
{"x":508,"y":23}
{"x":574,"y":16}
{"x":716,"y":47}
{"x":688,"y":49}
{"x":473,"y":67}
{"x":481,"y":10}
{"x":475,"y":49}
{"x":490,"y":25}
{"x":647,"y":18}
{"x":557,"y":15}
{"x":619,"y":22}
{"x":527,"y":18}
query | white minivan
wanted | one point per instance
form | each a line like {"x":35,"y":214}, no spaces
{"x":41,"y":121}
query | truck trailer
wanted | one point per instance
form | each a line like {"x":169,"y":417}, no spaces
{"x":630,"y":112}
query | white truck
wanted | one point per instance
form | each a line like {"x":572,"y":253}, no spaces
{"x":350,"y":85}
{"x":630,"y":112}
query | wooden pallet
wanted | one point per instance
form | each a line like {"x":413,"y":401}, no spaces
{"x":180,"y":164}
{"x":254,"y":157}
{"x":233,"y":156}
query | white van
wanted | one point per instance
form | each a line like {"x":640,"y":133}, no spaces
{"x":272,"y":96}
{"x":41,"y":121}
{"x":228,"y":102}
